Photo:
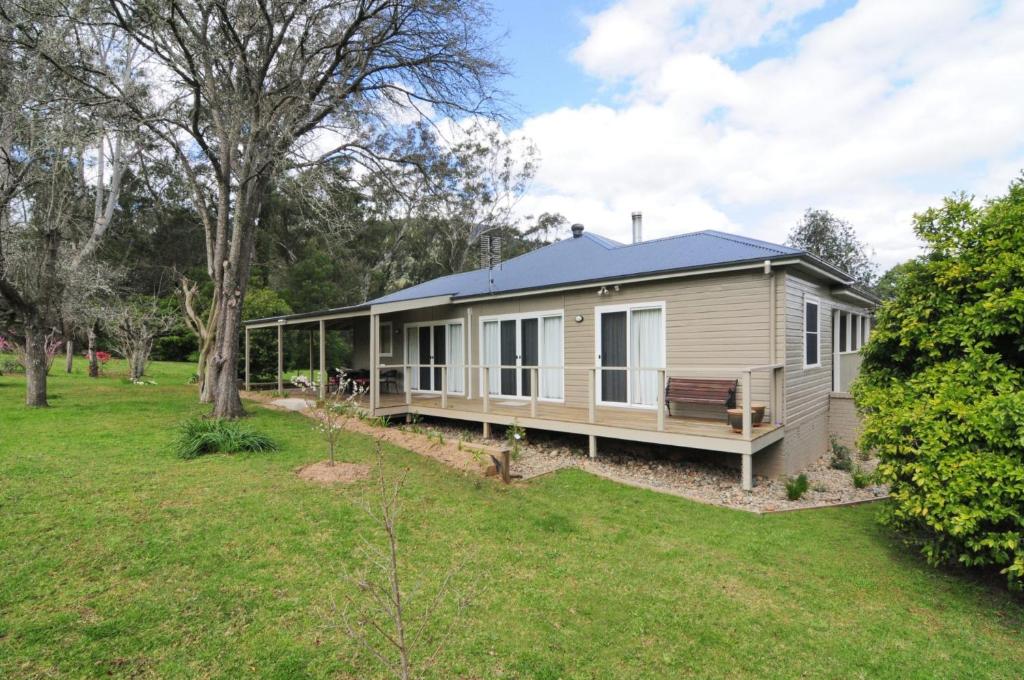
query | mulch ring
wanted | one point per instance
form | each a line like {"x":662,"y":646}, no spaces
{"x":338,"y":473}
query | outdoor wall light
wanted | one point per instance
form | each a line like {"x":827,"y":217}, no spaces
{"x":579,"y":318}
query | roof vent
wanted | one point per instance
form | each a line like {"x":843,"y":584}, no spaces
{"x":638,"y":223}
{"x":577,"y":230}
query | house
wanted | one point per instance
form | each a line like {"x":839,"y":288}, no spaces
{"x":583,"y":335}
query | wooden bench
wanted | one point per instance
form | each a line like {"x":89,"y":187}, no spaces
{"x":700,"y":391}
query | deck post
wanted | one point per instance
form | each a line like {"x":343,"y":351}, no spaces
{"x":323,"y":359}
{"x":661,"y":405}
{"x":534,"y":388}
{"x":592,"y":446}
{"x":444,"y":386}
{"x":248,"y":384}
{"x":280,"y":357}
{"x":406,"y":373}
{"x":779,"y":407}
{"x":310,"y":355}
{"x":592,"y":399}
{"x":747,"y":424}
{"x":487,"y":394}
{"x":374,"y":362}
{"x":487,"y":430}
{"x":747,"y":483}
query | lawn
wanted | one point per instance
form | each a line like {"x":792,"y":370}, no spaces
{"x":116,"y":558}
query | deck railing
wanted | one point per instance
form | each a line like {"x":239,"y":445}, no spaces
{"x":744,"y":376}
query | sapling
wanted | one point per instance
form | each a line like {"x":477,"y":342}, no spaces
{"x":331,"y":412}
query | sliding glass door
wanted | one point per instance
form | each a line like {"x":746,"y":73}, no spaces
{"x":514,"y":345}
{"x":630,"y":350}
{"x":428,"y":347}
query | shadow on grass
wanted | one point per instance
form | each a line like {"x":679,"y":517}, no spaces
{"x":985,"y":586}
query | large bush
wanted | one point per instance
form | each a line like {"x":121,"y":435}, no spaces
{"x":942,"y":387}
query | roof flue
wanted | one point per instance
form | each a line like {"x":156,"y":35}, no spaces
{"x":638,"y":224}
{"x":577,"y":230}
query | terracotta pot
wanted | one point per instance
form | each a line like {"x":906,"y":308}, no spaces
{"x":735,"y":416}
{"x":757,"y":414}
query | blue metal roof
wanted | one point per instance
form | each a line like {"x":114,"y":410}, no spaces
{"x":594,"y":258}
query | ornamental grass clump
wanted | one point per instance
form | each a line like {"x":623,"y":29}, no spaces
{"x":202,"y":436}
{"x":942,"y":387}
{"x":797,"y":487}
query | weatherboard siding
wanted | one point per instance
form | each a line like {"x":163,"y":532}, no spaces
{"x":718,"y":320}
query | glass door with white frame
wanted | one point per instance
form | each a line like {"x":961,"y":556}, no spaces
{"x":429,"y":347}
{"x":513,"y":346}
{"x":630,"y":351}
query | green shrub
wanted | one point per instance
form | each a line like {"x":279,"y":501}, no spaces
{"x":942,"y":387}
{"x":841,"y":459}
{"x":202,"y":436}
{"x":796,"y":487}
{"x":860,"y":478}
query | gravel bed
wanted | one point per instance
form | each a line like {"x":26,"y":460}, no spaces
{"x":699,"y":481}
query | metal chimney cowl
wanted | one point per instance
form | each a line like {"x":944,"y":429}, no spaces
{"x":638,"y":224}
{"x":577,"y":230}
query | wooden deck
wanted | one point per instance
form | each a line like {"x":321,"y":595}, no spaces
{"x":616,"y":423}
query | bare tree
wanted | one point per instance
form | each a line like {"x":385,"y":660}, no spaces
{"x":49,"y":129}
{"x":333,"y":411}
{"x":391,"y":614}
{"x":248,"y":87}
{"x":133,"y":326}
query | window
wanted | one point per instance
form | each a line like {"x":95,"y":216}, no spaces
{"x":853,"y":332}
{"x":812,"y":335}
{"x":513,"y":345}
{"x":630,"y":351}
{"x":386,"y":338}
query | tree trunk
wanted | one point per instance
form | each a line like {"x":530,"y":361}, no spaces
{"x":94,"y":363}
{"x":35,"y":366}
{"x":138,"y":366}
{"x":227,"y":403}
{"x":69,"y":357}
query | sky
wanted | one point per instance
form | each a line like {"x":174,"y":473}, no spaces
{"x":738,"y":115}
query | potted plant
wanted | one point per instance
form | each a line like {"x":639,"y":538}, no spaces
{"x":757,"y":414}
{"x":735,"y":416}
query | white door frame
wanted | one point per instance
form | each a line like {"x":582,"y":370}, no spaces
{"x":518,"y":318}
{"x":433,"y":360}
{"x":628,"y":308}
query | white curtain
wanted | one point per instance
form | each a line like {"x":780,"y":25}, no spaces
{"x":455,"y":361}
{"x":492,"y":354}
{"x":645,"y":351}
{"x":551,"y":355}
{"x":412,"y":355}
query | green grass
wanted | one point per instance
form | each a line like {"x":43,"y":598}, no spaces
{"x":118,"y":558}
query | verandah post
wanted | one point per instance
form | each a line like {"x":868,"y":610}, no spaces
{"x":323,"y":359}
{"x":661,"y":400}
{"x":534,"y":388}
{"x":248,"y":384}
{"x":280,"y":357}
{"x":444,"y":386}
{"x":592,"y":398}
{"x":747,"y":423}
{"x":374,"y":362}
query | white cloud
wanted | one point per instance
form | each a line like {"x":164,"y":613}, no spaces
{"x":874,"y":115}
